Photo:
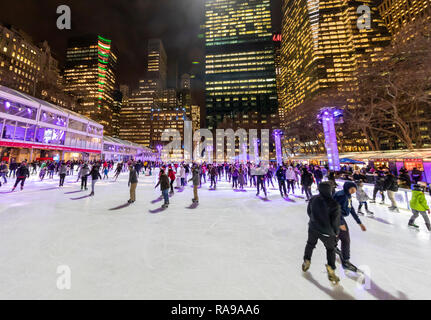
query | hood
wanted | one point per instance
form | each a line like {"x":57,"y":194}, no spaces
{"x":325,"y":189}
{"x":347,"y":186}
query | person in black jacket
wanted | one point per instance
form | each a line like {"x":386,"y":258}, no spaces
{"x":21,"y":174}
{"x":379,"y":180}
{"x":306,"y":182}
{"x":324,"y":225}
{"x":391,"y":186}
{"x":344,"y":199}
{"x":133,"y":183}
{"x":281,"y":178}
{"x":95,"y":175}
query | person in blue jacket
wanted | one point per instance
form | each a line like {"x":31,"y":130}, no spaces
{"x":344,"y":199}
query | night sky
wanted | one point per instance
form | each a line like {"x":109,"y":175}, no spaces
{"x":129,"y":23}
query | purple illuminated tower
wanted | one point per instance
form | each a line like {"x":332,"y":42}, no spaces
{"x":329,"y":117}
{"x":278,"y":150}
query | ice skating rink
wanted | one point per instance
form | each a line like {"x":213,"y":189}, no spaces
{"x":234,"y":245}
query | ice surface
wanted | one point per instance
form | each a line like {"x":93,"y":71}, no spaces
{"x":233,"y":245}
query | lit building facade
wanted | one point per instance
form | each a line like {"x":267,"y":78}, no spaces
{"x":90,"y":76}
{"x":397,"y":13}
{"x":116,"y":112}
{"x":196,"y":117}
{"x":136,"y":123}
{"x":157,"y":64}
{"x":322,"y":47}
{"x":239,"y":61}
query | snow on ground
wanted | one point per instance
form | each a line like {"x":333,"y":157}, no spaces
{"x":233,"y":246}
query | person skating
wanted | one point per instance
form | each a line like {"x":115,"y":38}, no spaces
{"x":391,"y":185}
{"x":83,"y":173}
{"x":324,"y":225}
{"x":133,"y":183}
{"x":379,"y":181}
{"x":95,"y":175}
{"x":171,"y":175}
{"x":62,"y":173}
{"x":22,"y":173}
{"x":164,"y":187}
{"x":306,"y":182}
{"x":344,"y":199}
{"x":362,"y":198}
{"x":291,"y":178}
{"x":213,"y":176}
{"x":419,"y":206}
{"x":196,"y":182}
{"x":281,"y":178}
{"x":260,"y":180}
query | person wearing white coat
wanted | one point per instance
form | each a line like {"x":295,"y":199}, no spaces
{"x":291,"y":179}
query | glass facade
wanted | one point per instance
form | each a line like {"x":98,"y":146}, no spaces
{"x":239,"y":62}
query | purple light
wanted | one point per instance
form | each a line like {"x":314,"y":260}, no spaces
{"x":7,"y":104}
{"x":29,"y":110}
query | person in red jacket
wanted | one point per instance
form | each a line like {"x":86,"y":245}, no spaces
{"x":171,"y":175}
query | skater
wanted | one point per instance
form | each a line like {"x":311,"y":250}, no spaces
{"x":344,"y":199}
{"x":105,"y":172}
{"x":21,"y":174}
{"x":379,"y":181}
{"x":83,"y":173}
{"x":62,"y":172}
{"x":196,"y":182}
{"x":324,"y":225}
{"x":291,"y":178}
{"x":241,"y":178}
{"x":281,"y":177}
{"x":362,"y":198}
{"x":95,"y":175}
{"x":391,"y":185}
{"x":213,"y":177}
{"x":171,"y":175}
{"x":235,"y":177}
{"x":260,"y":180}
{"x":306,"y":182}
{"x":164,"y":187}
{"x":3,"y":172}
{"x":133,"y":183}
{"x":419,"y":206}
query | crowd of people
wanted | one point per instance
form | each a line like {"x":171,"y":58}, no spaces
{"x":328,"y":210}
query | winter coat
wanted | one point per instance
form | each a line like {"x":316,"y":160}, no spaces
{"x":95,"y":174}
{"x":281,"y":174}
{"x":390,"y":183}
{"x":291,"y":174}
{"x":361,"y":195}
{"x":196,"y":177}
{"x":171,"y":175}
{"x":63,"y":170}
{"x":84,"y":171}
{"x":418,"y":201}
{"x":22,"y":172}
{"x":324,"y":212}
{"x":306,"y":179}
{"x":133,"y":176}
{"x":344,"y":199}
{"x":164,"y":182}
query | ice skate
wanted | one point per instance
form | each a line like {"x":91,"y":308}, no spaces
{"x":370,"y":213}
{"x":306,"y":265}
{"x":413,"y":226}
{"x":332,"y":276}
{"x":361,"y":213}
{"x":372,"y":201}
{"x":382,"y":202}
{"x":349,"y":266}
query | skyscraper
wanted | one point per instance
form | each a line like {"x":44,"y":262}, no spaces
{"x":397,"y":13}
{"x":322,"y":47}
{"x":136,"y":115}
{"x":157,"y":64}
{"x":239,"y":62}
{"x":90,"y":76}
